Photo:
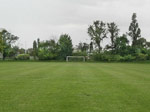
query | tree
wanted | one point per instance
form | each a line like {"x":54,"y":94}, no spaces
{"x":6,"y":41}
{"x":113,"y":30}
{"x":48,"y":50}
{"x":91,"y":47}
{"x":30,"y":51}
{"x":97,"y":32}
{"x":22,"y":51}
{"x":148,"y":45}
{"x":35,"y":49}
{"x":134,"y":30}
{"x":38,"y":42}
{"x":83,"y":47}
{"x":65,"y":46}
{"x":13,"y":52}
{"x":141,"y":43}
{"x":121,"y":45}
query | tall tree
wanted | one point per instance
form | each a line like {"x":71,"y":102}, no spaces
{"x":134,"y":30}
{"x":38,"y":42}
{"x":91,"y":47}
{"x":35,"y":49}
{"x":65,"y":45}
{"x":97,"y":32}
{"x":113,"y":30}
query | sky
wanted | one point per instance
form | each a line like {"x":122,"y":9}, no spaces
{"x":48,"y":19}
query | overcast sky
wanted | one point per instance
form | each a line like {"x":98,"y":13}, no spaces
{"x":45,"y":19}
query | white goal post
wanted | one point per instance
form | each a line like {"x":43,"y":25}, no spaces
{"x":67,"y":58}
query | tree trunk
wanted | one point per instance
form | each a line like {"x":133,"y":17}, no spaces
{"x":99,"y":48}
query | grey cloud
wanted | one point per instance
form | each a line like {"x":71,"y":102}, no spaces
{"x":31,"y":19}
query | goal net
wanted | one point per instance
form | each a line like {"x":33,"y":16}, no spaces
{"x":75,"y":58}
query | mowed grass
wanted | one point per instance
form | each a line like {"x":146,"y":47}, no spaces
{"x":74,"y":87}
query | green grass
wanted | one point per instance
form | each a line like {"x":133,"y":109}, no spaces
{"x":74,"y":87}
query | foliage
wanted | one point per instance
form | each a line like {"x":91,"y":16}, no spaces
{"x":23,"y":57}
{"x":141,"y":57}
{"x":106,"y":57}
{"x":141,"y":43}
{"x":65,"y":46}
{"x":6,"y":41}
{"x":91,"y":48}
{"x":121,"y":45}
{"x":79,"y":54}
{"x":46,"y":55}
{"x":128,"y":58}
{"x":134,"y":30}
{"x":35,"y":49}
{"x":113,"y":31}
{"x":119,"y":48}
{"x":47,"y":50}
{"x":83,"y":47}
{"x":116,"y":58}
{"x":30,"y":51}
{"x":97,"y":32}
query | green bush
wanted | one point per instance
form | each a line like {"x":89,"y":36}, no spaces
{"x":106,"y":57}
{"x":128,"y":58}
{"x":116,"y":58}
{"x":43,"y":55}
{"x":23,"y":57}
{"x":75,"y":59}
{"x":97,"y":57}
{"x":141,"y":57}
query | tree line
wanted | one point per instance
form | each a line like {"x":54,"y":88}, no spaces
{"x":119,"y":48}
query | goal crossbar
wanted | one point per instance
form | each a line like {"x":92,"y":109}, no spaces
{"x":67,"y":58}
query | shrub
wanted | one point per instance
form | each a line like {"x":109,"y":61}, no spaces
{"x":97,"y":57}
{"x":23,"y":57}
{"x":116,"y":58}
{"x":43,"y":55}
{"x":128,"y":58}
{"x":141,"y":57}
{"x":106,"y":57}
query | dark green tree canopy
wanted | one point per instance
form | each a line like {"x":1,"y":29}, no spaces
{"x":47,"y":49}
{"x":141,"y":43}
{"x":65,"y":45}
{"x":121,"y":45}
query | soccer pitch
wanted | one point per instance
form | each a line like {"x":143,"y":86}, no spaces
{"x":74,"y":87}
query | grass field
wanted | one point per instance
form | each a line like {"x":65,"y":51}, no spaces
{"x":74,"y":87}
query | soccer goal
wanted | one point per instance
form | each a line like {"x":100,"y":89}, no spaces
{"x":68,"y":58}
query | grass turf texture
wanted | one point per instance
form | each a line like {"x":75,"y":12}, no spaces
{"x":74,"y":87}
